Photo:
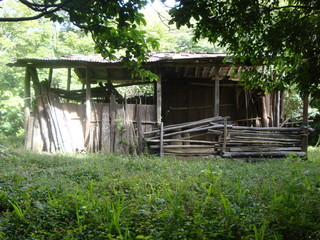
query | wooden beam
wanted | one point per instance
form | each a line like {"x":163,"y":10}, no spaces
{"x":216,"y":93}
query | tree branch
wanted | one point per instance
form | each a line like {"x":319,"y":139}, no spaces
{"x":43,"y":13}
{"x":293,"y":6}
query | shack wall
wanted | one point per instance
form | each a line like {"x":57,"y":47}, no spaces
{"x":117,"y":125}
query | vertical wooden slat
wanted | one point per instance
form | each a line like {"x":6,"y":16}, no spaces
{"x":45,"y":134}
{"x":159,"y":97}
{"x":29,"y":133}
{"x":139,"y":127}
{"x":105,"y":131}
{"x":112,"y":114}
{"x":161,"y":140}
{"x":88,"y":108}
{"x":27,"y":95}
{"x":216,"y":93}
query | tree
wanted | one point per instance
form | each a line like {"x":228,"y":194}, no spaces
{"x":112,"y":24}
{"x":39,"y":38}
{"x":283,"y":36}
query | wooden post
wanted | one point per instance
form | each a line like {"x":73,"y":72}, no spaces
{"x":105,"y":130}
{"x":112,"y":114}
{"x":69,"y":81}
{"x":159,"y":98}
{"x":88,"y":108}
{"x":277,"y":117}
{"x":50,"y":76}
{"x":225,"y":133}
{"x":305,"y":124}
{"x":264,"y":113}
{"x":161,"y":139}
{"x":216,"y":93}
{"x":27,"y":95}
{"x":139,"y":127}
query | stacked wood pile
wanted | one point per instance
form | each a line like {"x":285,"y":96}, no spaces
{"x":214,"y":136}
{"x":185,"y":139}
{"x":255,"y":142}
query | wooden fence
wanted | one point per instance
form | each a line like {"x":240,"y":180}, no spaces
{"x":214,"y":136}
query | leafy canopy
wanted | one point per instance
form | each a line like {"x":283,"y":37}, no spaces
{"x":284,"y":36}
{"x":113,"y":25}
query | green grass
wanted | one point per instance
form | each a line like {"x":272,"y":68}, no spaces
{"x":122,"y":197}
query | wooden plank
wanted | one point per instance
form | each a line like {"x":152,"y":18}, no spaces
{"x":63,"y":124}
{"x":181,"y":146}
{"x":105,"y":130}
{"x":88,"y":109}
{"x":180,"y":140}
{"x":263,"y":149}
{"x":262,"y":134}
{"x":279,"y":129}
{"x":139,"y":127}
{"x":37,"y":143}
{"x":73,"y":114}
{"x":262,"y":154}
{"x":27,"y":96}
{"x":119,"y":129}
{"x":252,"y":139}
{"x":29,"y":133}
{"x":159,"y":99}
{"x":183,"y":152}
{"x":112,"y":114}
{"x":187,"y":124}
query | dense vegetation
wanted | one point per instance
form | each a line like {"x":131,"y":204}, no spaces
{"x":146,"y":197}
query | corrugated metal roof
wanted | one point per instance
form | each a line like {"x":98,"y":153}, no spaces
{"x":162,"y":56}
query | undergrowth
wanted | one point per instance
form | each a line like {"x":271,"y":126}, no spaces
{"x":99,"y":196}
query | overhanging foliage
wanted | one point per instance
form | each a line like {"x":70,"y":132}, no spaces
{"x":282,"y":35}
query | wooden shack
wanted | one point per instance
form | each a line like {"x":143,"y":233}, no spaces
{"x":201,"y":89}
